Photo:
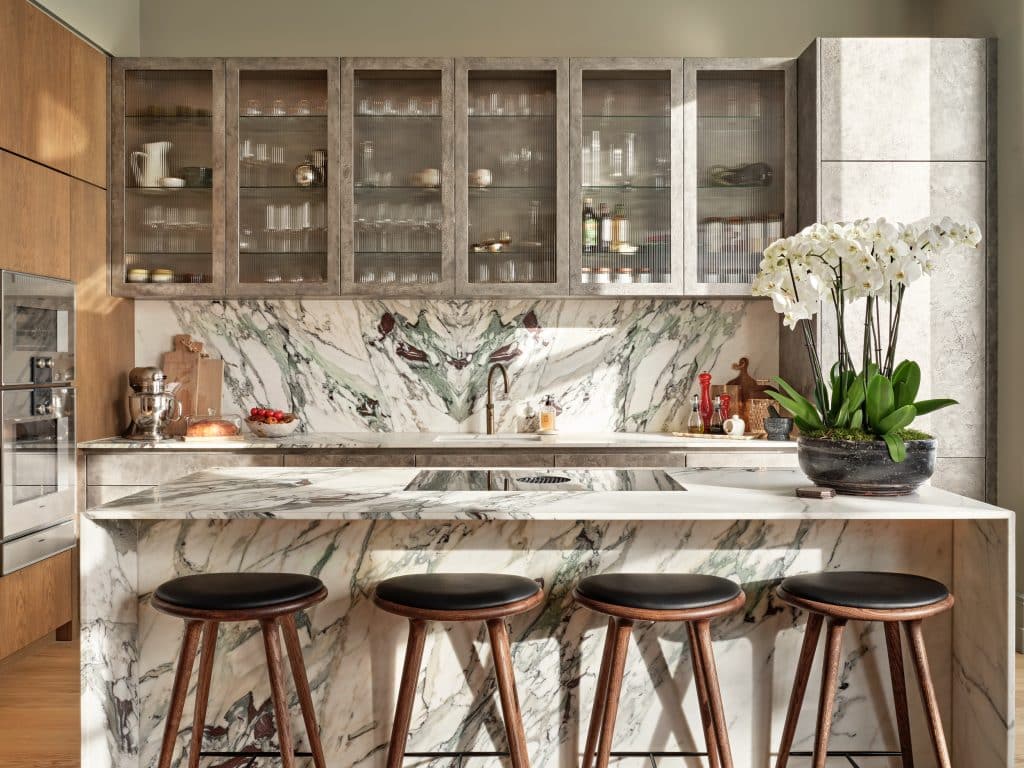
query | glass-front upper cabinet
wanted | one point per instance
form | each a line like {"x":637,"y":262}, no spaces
{"x":283,"y":177}
{"x":512,"y":177}
{"x":402,"y":190}
{"x":167,"y":189}
{"x":626,"y":137}
{"x":740,"y":168}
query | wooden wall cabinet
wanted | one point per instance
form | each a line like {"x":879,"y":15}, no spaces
{"x":53,"y":87}
{"x":284,"y":177}
{"x":34,"y":217}
{"x":171,"y":236}
{"x":398,"y":220}
{"x":739,"y":169}
{"x":512,"y":177}
{"x":625,"y":141}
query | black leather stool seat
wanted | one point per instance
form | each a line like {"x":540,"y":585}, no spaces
{"x":237,"y":591}
{"x":456,"y":591}
{"x":870,"y":590}
{"x":658,"y":591}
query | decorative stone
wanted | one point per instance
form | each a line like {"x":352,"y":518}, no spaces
{"x":864,"y":468}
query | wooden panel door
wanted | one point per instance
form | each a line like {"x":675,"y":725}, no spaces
{"x":34,"y":218}
{"x":53,"y":86}
{"x":105,"y":337}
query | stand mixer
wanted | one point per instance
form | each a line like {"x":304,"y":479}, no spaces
{"x":151,"y":408}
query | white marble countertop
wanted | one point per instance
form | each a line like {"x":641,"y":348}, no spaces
{"x":434,"y":441}
{"x":303,"y":493}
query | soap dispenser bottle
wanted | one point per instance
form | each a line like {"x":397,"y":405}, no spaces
{"x":548,"y":413}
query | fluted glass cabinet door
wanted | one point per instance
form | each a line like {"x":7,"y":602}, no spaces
{"x":167,"y":186}
{"x":740,"y":168}
{"x":512,"y":177}
{"x":402,"y":212}
{"x":283,"y":172}
{"x":626,"y":137}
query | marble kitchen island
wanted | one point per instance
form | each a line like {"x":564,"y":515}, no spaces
{"x":352,"y":527}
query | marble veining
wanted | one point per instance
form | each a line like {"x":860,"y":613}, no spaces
{"x":396,"y":365}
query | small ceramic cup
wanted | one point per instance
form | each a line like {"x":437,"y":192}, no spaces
{"x":734,"y":426}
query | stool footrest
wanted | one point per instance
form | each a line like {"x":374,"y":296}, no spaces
{"x":249,"y":753}
{"x":850,"y":754}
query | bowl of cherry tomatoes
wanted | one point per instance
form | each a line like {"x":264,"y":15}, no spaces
{"x":267,"y":422}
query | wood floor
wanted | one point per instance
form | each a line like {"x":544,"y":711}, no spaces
{"x":39,"y":708}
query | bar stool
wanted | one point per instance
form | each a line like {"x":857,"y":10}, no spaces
{"x":841,"y":596}
{"x":449,"y":597}
{"x":206,"y":600}
{"x":630,"y":597}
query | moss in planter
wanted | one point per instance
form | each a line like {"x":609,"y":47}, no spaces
{"x":861,"y":436}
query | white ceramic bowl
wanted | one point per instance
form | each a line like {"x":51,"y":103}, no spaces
{"x":260,"y":429}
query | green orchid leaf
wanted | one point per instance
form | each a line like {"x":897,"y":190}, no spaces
{"x":801,"y":408}
{"x":897,"y":420}
{"x":906,"y":381}
{"x":805,"y":426}
{"x":927,"y":406}
{"x":856,"y":419}
{"x":880,"y":400}
{"x":897,"y":448}
{"x":833,"y":374}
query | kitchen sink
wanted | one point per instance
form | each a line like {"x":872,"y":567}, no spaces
{"x":543,"y":480}
{"x":478,"y":439}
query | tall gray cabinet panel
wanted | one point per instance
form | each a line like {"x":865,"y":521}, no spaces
{"x":898,"y":128}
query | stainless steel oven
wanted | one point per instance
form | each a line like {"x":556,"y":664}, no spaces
{"x":37,"y":418}
{"x":37,"y":464}
{"x":38,"y":330}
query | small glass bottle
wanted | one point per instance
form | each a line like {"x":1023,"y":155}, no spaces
{"x":696,"y":424}
{"x":716,"y":419}
{"x":548,"y":412}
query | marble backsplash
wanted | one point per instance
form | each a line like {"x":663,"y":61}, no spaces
{"x":415,"y":365}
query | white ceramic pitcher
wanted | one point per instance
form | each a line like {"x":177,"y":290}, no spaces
{"x":150,"y":165}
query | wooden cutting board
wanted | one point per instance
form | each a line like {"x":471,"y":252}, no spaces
{"x":200,"y":379}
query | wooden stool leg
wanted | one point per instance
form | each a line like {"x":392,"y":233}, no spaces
{"x":294,"y":648}
{"x":899,"y":690}
{"x":600,"y":696}
{"x":924,"y":679}
{"x":500,"y":649}
{"x":407,"y":692}
{"x":796,"y":700}
{"x":272,"y":646}
{"x":700,"y":678}
{"x":623,"y":629}
{"x":202,"y":691}
{"x":707,"y":661}
{"x":179,"y":691}
{"x":829,"y":683}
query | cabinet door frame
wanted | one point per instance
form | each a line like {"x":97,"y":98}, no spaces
{"x":560,"y":287}
{"x":232,"y":199}
{"x":445,"y":288}
{"x":691,"y":66}
{"x":118,"y":194}
{"x":577,"y":67}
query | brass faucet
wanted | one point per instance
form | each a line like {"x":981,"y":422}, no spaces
{"x":490,"y":393}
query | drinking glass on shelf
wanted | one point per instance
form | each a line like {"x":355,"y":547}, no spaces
{"x":253,"y":108}
{"x":495,"y":104}
{"x":270,"y":228}
{"x":434,"y":106}
{"x":261,"y":160}
{"x":303,"y":107}
{"x":524,"y":104}
{"x":278,"y":108}
{"x":364,"y":107}
{"x":413,"y":107}
{"x":277,"y":161}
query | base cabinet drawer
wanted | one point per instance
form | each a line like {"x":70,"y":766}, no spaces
{"x":155,"y":468}
{"x":621,"y":460}
{"x":745,"y":460}
{"x":495,"y":460}
{"x":348,"y":459}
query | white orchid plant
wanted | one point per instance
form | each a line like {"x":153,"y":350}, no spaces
{"x":874,"y":261}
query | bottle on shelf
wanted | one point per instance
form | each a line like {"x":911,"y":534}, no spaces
{"x":695,"y":426}
{"x":590,"y":225}
{"x":605,"y":227}
{"x":705,"y":397}
{"x":716,"y":418}
{"x":620,"y":227}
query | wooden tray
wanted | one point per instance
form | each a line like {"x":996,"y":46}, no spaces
{"x":701,"y":436}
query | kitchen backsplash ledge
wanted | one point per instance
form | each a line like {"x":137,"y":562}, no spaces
{"x":417,"y":365}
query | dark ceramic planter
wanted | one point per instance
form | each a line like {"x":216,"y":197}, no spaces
{"x":864,"y":468}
